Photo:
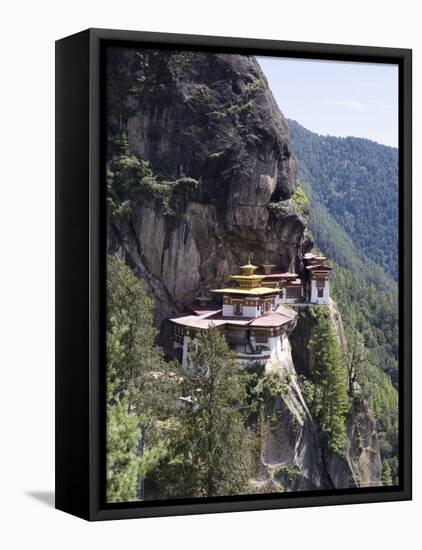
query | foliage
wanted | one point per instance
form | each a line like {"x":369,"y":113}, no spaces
{"x":371,"y":313}
{"x":141,"y":386}
{"x":300,"y":202}
{"x":213,"y":452}
{"x":218,"y":434}
{"x":129,"y":178}
{"x":352,"y":185}
{"x":386,"y":477}
{"x":382,"y":399}
{"x":287,"y":472}
{"x":357,"y":181}
{"x":123,"y":461}
{"x":269,"y":386}
{"x":330,"y":403}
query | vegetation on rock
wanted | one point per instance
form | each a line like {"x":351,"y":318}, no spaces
{"x":130,"y":178}
{"x":327,"y":392}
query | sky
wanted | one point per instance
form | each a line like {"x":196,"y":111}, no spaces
{"x":337,"y":98}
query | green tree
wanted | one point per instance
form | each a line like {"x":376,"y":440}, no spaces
{"x":123,"y":462}
{"x":211,"y":451}
{"x":386,"y":476}
{"x":330,"y":403}
{"x":218,"y":435}
{"x":141,"y":371}
{"x":141,"y":386}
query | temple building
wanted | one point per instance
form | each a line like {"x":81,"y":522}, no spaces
{"x":318,"y":274}
{"x":253,"y":314}
{"x":251,"y":319}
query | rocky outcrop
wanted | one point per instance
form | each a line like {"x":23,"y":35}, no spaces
{"x":359,"y":465}
{"x":290,"y":457}
{"x":211,"y":118}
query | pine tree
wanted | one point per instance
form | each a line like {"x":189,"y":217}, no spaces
{"x":123,"y":462}
{"x":331,"y":402}
{"x":218,"y":432}
{"x":213,"y":452}
{"x":142,"y":372}
{"x":141,"y":386}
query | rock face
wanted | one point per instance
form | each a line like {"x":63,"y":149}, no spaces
{"x":360,"y":464}
{"x":290,"y":455}
{"x":210,"y":117}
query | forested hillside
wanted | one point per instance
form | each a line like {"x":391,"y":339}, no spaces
{"x":352,"y":187}
{"x":357,"y":184}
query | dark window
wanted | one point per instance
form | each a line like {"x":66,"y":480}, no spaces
{"x":261,"y":336}
{"x":320,"y":292}
{"x":293,"y":292}
{"x":238,"y":308}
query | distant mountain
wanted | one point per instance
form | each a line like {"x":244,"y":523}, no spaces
{"x":354,"y":182}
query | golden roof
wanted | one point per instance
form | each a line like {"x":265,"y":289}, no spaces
{"x":248,"y":269}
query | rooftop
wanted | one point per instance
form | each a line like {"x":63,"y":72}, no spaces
{"x":257,"y":291}
{"x":286,"y":275}
{"x":319,"y":267}
{"x":281,"y":316}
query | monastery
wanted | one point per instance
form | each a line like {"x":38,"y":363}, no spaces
{"x":252,"y":314}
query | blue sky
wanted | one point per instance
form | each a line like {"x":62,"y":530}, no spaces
{"x":337,"y":98}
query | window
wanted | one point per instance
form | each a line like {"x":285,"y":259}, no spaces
{"x":261,"y":336}
{"x":238,"y":308}
{"x":320,"y":293}
{"x":293,"y":292}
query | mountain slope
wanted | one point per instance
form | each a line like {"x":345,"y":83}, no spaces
{"x":365,"y":262}
{"x":356,"y":181}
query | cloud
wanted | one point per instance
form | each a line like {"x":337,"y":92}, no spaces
{"x":353,"y":104}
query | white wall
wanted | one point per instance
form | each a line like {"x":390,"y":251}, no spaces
{"x":27,"y":274}
{"x":248,"y":311}
{"x":314,"y":293}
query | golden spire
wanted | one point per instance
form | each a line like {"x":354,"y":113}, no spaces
{"x":248,"y":269}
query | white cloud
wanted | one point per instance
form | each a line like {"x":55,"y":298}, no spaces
{"x":352,"y":104}
{"x":349,"y":103}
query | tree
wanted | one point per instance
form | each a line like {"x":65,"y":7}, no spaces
{"x":211,"y":448}
{"x":123,"y":461}
{"x":356,"y":356}
{"x":141,"y":386}
{"x":331,"y":402}
{"x":141,"y":371}
{"x":386,"y":476}
{"x":217,"y":429}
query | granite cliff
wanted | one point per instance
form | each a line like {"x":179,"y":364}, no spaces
{"x":216,"y":140}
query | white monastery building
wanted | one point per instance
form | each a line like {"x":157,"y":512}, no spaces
{"x":253,"y":317}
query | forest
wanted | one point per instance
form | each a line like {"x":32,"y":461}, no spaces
{"x":357,"y":182}
{"x":352,"y":186}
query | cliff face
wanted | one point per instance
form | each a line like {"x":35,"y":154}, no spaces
{"x":211,"y":118}
{"x":360,"y":464}
{"x":291,"y":455}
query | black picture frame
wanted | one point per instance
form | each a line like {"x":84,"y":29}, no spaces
{"x":80,"y":274}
